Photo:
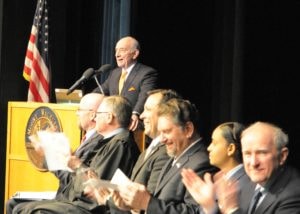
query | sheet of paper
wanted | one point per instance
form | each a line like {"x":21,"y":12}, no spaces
{"x":120,"y":178}
{"x":96,"y":183}
{"x":56,"y":148}
{"x":35,"y":195}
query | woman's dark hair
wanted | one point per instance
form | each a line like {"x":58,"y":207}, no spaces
{"x":232,"y":131}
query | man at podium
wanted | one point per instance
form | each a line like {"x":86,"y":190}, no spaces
{"x":131,"y":78}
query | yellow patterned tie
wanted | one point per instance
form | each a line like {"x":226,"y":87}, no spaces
{"x":122,"y":80}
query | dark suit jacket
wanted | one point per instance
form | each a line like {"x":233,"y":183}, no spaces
{"x":141,"y":79}
{"x":170,"y":195}
{"x":283,"y":194}
{"x":85,"y":153}
{"x":146,"y":171}
{"x":242,"y":178}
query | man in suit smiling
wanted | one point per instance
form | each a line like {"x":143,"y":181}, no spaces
{"x":276,"y":186}
{"x":265,"y":153}
{"x":138,"y":78}
{"x":178,"y":124}
{"x":150,"y":161}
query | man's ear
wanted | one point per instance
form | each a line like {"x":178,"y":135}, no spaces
{"x":189,"y":128}
{"x":136,"y":54}
{"x":93,"y":116}
{"x":283,"y":155}
{"x":110,"y":117}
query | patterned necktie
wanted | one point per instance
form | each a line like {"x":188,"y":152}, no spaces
{"x":255,"y":200}
{"x":122,"y":80}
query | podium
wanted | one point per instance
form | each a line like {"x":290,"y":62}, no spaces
{"x":24,"y":170}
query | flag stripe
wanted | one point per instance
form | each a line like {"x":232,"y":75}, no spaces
{"x":36,"y":68}
{"x":41,"y":72}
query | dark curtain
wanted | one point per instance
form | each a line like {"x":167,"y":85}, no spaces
{"x":235,"y":59}
{"x":228,"y":61}
{"x":116,"y":24}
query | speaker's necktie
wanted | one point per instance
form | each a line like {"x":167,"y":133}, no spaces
{"x":122,"y":80}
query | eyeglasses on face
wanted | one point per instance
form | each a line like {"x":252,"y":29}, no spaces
{"x":80,"y":109}
{"x":102,"y":112}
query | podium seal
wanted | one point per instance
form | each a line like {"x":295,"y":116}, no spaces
{"x":42,"y":118}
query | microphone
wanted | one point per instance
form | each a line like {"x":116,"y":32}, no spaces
{"x":85,"y":76}
{"x":103,"y":69}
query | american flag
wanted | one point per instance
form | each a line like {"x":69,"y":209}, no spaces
{"x":36,"y":67}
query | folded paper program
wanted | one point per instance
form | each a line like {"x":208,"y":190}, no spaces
{"x":119,"y":179}
{"x":98,"y":183}
{"x":56,"y":148}
{"x":35,"y":195}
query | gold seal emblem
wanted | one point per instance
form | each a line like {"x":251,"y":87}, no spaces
{"x":42,"y":118}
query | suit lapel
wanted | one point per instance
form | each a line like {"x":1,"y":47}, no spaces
{"x":138,"y":165}
{"x":275,"y":186}
{"x":162,"y":175}
{"x":142,"y":161}
{"x":267,"y":201}
{"x":246,"y":196}
{"x":80,"y":150}
{"x":154,"y":149}
{"x":239,"y":173}
{"x":166,"y":174}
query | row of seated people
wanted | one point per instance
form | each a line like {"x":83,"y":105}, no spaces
{"x":177,"y":173}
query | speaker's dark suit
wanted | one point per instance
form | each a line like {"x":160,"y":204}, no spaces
{"x":140,"y":80}
{"x":283,"y":194}
{"x":170,"y":195}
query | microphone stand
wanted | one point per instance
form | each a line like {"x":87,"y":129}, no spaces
{"x":99,"y":86}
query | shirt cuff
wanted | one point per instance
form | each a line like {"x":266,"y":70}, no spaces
{"x":136,"y":113}
{"x":232,"y":210}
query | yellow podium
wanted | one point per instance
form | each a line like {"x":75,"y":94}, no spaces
{"x":24,"y":170}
